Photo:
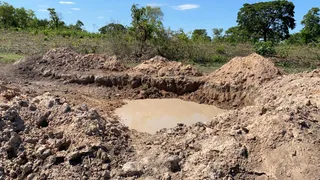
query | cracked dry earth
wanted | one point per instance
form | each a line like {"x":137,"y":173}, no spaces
{"x":57,"y":120}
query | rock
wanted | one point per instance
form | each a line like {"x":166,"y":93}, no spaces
{"x":166,"y":176}
{"x":23,"y":103}
{"x":172,"y":163}
{"x":66,"y":108}
{"x":47,"y":73}
{"x":32,"y":107}
{"x":27,"y":168}
{"x":43,"y":120}
{"x":43,"y":152}
{"x":130,"y":169}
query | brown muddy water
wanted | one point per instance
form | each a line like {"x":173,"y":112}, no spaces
{"x":151,"y":115}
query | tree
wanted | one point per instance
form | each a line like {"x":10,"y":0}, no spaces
{"x":79,"y":25}
{"x":6,"y":15}
{"x":311,"y":22}
{"x":217,"y":33}
{"x":237,"y":35}
{"x":21,"y":18}
{"x":55,"y":19}
{"x":200,"y":35}
{"x":268,"y":20}
{"x":42,"y":23}
{"x":113,"y":28}
{"x":146,"y":25}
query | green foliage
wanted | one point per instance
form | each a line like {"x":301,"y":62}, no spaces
{"x":311,"y":22}
{"x":217,"y":34}
{"x":146,"y":25}
{"x":265,"y":48}
{"x":7,"y":13}
{"x":200,"y":35}
{"x":113,"y":29}
{"x":270,"y":20}
{"x":221,"y":50}
{"x":283,"y":52}
{"x":237,"y":35}
{"x":9,"y":58}
{"x":219,"y":59}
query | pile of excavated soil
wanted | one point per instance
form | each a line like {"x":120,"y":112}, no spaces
{"x":64,"y":60}
{"x":160,"y":66}
{"x":252,"y":70}
{"x":46,"y":138}
{"x":234,"y":84}
{"x":278,"y":138}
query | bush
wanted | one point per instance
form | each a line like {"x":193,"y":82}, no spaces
{"x":219,"y":59}
{"x":265,"y":48}
{"x":221,"y":50}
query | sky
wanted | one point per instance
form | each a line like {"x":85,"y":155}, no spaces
{"x":185,"y":14}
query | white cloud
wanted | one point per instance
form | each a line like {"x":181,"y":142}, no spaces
{"x":100,"y":17}
{"x":67,"y":2}
{"x":184,"y":7}
{"x":76,"y":9}
{"x":42,"y":10}
{"x":69,"y":12}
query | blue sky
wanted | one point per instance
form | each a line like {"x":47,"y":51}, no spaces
{"x":185,"y":14}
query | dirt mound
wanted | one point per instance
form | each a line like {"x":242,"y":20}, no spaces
{"x":64,"y":60}
{"x":46,"y":138}
{"x":252,"y":70}
{"x":160,"y":66}
{"x":234,"y":84}
{"x":114,"y":65}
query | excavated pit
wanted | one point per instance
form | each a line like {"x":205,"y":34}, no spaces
{"x":272,"y":130}
{"x":152,"y":115}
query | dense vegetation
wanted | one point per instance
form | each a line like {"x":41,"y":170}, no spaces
{"x":262,"y":27}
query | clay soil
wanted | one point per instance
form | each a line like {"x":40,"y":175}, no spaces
{"x":57,"y":120}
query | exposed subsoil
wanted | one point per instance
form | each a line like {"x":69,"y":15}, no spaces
{"x":57,"y":121}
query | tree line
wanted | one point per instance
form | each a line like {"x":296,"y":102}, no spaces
{"x":268,"y":22}
{"x":21,"y":18}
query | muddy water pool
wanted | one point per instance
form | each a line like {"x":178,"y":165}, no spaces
{"x":151,"y":115}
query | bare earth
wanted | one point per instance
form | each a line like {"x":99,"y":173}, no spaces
{"x":57,"y":120}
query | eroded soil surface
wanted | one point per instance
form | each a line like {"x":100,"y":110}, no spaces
{"x":57,"y":120}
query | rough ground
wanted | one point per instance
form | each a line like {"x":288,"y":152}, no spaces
{"x":56,"y":120}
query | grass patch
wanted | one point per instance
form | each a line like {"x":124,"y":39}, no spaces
{"x":9,"y":58}
{"x":208,"y":68}
{"x":293,"y":70}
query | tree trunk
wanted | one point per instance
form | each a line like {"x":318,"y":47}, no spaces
{"x":265,"y":37}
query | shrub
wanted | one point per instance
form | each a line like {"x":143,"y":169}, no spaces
{"x":265,"y":48}
{"x":219,"y":59}
{"x":221,"y":50}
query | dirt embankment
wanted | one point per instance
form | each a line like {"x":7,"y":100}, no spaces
{"x":66,"y":65}
{"x":277,"y":137}
{"x":230,"y":86}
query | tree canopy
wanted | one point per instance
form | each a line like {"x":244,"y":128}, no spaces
{"x":200,"y":35}
{"x":268,"y":20}
{"x":112,"y":28}
{"x":311,"y":22}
